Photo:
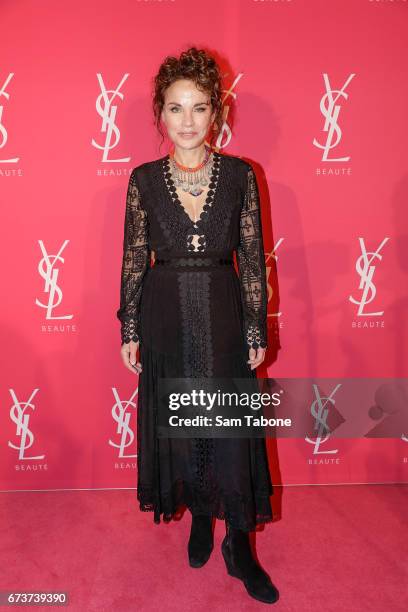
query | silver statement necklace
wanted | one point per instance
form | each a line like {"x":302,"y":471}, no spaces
{"x":192,"y":180}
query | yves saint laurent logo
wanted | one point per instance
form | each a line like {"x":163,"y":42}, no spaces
{"x":107,"y":110}
{"x":330,"y":108}
{"x":319,"y":411}
{"x":48,"y":269}
{"x":270,"y":258}
{"x":225,"y":134}
{"x":19,"y":413}
{"x":122,"y":415}
{"x":3,"y":131}
{"x":366,"y":268}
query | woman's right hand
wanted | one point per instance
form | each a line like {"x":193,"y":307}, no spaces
{"x":129,"y":353}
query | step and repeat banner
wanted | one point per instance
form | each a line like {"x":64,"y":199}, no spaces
{"x":315,"y":97}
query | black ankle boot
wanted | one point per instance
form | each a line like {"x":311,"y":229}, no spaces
{"x":201,"y":540}
{"x":241,"y":564}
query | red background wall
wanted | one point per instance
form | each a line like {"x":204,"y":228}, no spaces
{"x":62,"y":200}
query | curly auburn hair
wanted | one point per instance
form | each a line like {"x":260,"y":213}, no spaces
{"x":198,"y":66}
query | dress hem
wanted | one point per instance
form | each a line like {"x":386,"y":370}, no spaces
{"x":231,"y":508}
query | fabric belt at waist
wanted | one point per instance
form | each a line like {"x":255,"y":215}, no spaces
{"x":194,"y":261}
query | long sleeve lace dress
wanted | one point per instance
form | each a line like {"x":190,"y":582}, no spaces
{"x":194,"y":316}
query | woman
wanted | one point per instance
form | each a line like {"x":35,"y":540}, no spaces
{"x":191,"y":315}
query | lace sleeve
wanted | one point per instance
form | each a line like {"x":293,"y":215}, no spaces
{"x":251,"y":264}
{"x":136,"y":260}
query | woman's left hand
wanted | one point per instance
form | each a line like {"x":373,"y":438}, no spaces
{"x":256,"y":356}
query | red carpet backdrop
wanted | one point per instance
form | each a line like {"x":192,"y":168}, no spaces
{"x":315,"y":97}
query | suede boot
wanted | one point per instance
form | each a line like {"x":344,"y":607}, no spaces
{"x":238,"y":557}
{"x":201,"y":541}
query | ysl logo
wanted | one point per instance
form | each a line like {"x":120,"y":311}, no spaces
{"x":50,"y":275}
{"x":122,"y":418}
{"x":107,"y":111}
{"x":3,"y":131}
{"x":366,"y":272}
{"x":21,"y":418}
{"x":224,"y":137}
{"x":330,"y":110}
{"x":272,"y":256}
{"x":320,"y":412}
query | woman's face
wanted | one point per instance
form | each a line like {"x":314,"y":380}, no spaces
{"x":186,"y":114}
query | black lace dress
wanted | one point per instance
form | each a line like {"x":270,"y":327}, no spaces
{"x":194,"y":316}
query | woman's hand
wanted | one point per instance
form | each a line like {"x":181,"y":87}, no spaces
{"x":129,"y":352}
{"x":256,"y":356}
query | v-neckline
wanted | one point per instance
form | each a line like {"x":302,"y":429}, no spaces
{"x":210,"y":197}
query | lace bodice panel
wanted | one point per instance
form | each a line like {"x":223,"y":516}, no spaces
{"x":249,"y":250}
{"x":251,"y":262}
{"x":136,"y":260}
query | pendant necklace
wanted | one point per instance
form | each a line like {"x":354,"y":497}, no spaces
{"x":192,"y":180}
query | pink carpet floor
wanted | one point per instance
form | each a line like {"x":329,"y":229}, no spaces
{"x":330,"y":548}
